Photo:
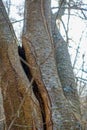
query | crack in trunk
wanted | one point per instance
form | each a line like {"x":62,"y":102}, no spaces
{"x":36,"y":90}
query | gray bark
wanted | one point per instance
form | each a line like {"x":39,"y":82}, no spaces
{"x":37,"y":31}
{"x":65,"y":71}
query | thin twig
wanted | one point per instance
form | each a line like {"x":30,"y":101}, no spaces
{"x":70,"y":7}
{"x":26,"y":63}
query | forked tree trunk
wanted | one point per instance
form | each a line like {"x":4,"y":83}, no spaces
{"x":33,"y":99}
{"x":39,"y":51}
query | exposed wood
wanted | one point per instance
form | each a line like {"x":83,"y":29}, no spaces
{"x":40,"y":84}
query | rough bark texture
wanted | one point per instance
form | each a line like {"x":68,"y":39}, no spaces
{"x":35,"y":71}
{"x":65,"y":72}
{"x":38,"y":45}
{"x":39,"y":105}
{"x":22,"y":109}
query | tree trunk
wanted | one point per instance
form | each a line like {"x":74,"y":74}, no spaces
{"x":22,"y":109}
{"x":65,"y":72}
{"x":32,"y":92}
{"x":39,"y":50}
